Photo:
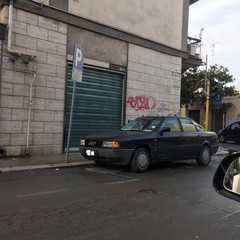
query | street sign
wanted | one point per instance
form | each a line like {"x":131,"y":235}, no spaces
{"x":78,"y":57}
{"x":218,"y":101}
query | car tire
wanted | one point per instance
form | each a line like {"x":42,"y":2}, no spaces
{"x":204,"y":156}
{"x":222,"y":139}
{"x":140,"y":160}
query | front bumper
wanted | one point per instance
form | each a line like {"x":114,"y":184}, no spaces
{"x":106,"y":155}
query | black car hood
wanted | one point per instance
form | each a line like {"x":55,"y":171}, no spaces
{"x":113,"y":135}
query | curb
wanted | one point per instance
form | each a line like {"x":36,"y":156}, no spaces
{"x":44,"y":166}
{"x":72,"y":164}
{"x":221,"y":153}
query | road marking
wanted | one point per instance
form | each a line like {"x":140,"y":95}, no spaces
{"x":41,"y":193}
{"x":100,"y":170}
{"x":229,"y":215}
{"x":121,"y":182}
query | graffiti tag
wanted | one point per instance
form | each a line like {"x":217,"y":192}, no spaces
{"x":162,"y":110}
{"x":142,"y":103}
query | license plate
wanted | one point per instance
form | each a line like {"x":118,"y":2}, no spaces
{"x":91,"y":153}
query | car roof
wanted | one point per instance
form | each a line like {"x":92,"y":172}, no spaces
{"x":160,"y":117}
{"x":231,"y":124}
{"x":234,"y":122}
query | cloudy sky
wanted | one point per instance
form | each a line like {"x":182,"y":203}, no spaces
{"x":220,"y":20}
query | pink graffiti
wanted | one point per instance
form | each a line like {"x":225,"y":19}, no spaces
{"x":142,"y":103}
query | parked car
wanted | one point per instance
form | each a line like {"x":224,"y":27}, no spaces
{"x":146,"y":140}
{"x":230,"y":133}
{"x":226,"y":180}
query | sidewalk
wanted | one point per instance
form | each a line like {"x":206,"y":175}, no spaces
{"x":10,"y":164}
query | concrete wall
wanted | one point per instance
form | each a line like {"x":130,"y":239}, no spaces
{"x":159,"y":21}
{"x":97,"y":46}
{"x":234,"y":111}
{"x":153,"y":84}
{"x":47,"y":39}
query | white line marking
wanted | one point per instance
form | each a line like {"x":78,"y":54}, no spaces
{"x":40,"y":193}
{"x":229,"y":215}
{"x":121,"y":182}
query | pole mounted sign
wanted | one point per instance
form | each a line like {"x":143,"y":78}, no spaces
{"x":218,"y":100}
{"x":77,"y":69}
{"x":78,"y":58}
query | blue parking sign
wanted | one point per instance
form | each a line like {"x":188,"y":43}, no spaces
{"x":218,"y":100}
{"x":78,"y":57}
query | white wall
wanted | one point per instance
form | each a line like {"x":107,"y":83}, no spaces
{"x":160,"y":21}
{"x":153,"y":83}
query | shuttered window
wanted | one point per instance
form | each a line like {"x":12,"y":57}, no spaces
{"x":98,"y":104}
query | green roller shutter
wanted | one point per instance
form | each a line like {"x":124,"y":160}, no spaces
{"x":98,"y":104}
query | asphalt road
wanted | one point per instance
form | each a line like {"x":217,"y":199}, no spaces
{"x":230,"y":145}
{"x":172,"y":201}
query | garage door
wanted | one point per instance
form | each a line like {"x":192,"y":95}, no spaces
{"x":98,"y":104}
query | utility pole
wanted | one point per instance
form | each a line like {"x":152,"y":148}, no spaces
{"x":205,"y":76}
{"x":207,"y":105}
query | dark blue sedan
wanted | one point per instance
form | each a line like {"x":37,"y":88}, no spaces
{"x":146,"y":140}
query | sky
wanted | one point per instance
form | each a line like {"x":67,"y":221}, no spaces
{"x":220,"y":20}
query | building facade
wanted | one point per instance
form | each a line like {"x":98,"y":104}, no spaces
{"x":134,"y":54}
{"x":219,"y":116}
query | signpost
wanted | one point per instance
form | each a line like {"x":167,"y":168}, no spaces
{"x":78,"y":58}
{"x":207,"y":104}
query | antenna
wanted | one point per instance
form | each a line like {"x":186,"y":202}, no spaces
{"x":213,"y":46}
{"x":200,"y":37}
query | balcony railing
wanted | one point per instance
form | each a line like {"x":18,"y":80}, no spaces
{"x":194,"y":47}
{"x":194,"y":57}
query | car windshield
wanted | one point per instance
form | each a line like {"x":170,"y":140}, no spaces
{"x":141,"y":124}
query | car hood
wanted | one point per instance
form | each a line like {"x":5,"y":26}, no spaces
{"x":113,"y":135}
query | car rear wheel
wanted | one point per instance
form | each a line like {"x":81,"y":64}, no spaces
{"x":222,"y":139}
{"x":204,"y":156}
{"x":140,"y":161}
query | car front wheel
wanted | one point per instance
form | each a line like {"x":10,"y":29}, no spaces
{"x":140,"y":161}
{"x":204,"y":156}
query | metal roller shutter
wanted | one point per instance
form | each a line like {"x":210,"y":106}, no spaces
{"x":98,"y":104}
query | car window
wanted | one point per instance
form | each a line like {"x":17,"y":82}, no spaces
{"x":187,"y":125}
{"x":235,"y":126}
{"x":172,"y":123}
{"x":152,"y":125}
{"x":200,"y":128}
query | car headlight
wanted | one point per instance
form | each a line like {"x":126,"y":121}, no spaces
{"x":82,"y":142}
{"x":110,"y":144}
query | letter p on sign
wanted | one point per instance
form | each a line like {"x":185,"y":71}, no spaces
{"x":78,"y":57}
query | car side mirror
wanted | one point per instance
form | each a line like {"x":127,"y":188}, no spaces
{"x":164,"y":129}
{"x":226,"y":180}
